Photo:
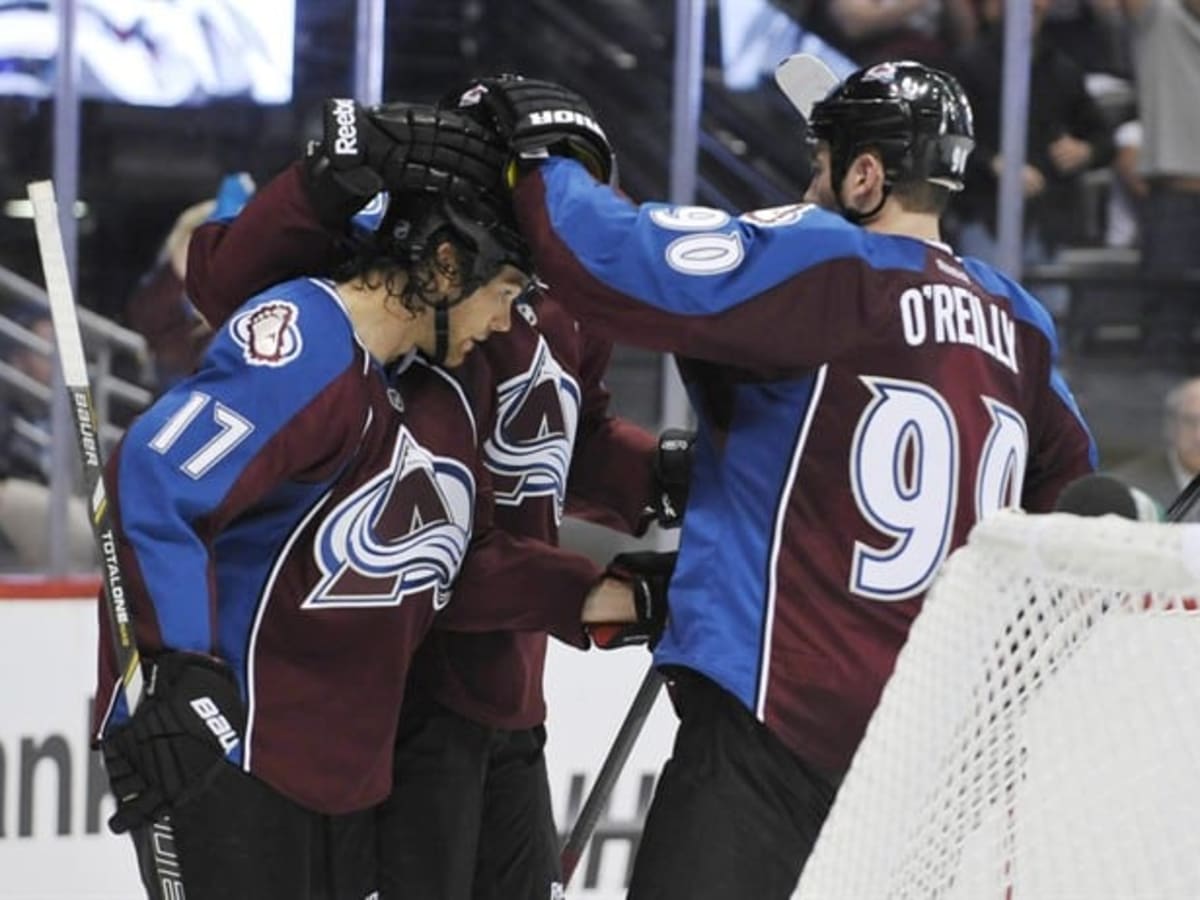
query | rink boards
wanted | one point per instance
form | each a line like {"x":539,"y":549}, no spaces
{"x":54,"y":801}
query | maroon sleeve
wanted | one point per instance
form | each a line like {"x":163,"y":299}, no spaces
{"x":276,"y":236}
{"x":511,"y":583}
{"x":612,"y":469}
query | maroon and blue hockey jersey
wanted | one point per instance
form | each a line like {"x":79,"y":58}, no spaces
{"x":863,"y":400}
{"x":548,"y":442}
{"x":303,"y":513}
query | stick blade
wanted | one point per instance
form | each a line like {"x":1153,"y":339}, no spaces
{"x":804,"y":80}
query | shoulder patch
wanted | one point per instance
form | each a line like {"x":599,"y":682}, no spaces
{"x":777,"y":216}
{"x":268,"y":333}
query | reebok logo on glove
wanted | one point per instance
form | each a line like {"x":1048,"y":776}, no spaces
{"x":216,"y":722}
{"x":565,"y":117}
{"x":346,"y":143}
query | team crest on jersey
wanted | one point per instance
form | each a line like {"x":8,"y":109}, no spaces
{"x":775,"y":216}
{"x":403,"y":533}
{"x":269,"y":333}
{"x":529,"y":451}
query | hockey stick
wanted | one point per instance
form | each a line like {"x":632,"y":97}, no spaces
{"x":166,"y":878}
{"x":804,"y":80}
{"x":1183,"y":507}
{"x":627,"y":735}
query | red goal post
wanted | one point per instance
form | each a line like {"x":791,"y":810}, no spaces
{"x":1039,"y":736}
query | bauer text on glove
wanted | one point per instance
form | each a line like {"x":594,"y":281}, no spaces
{"x":540,"y":118}
{"x":190,"y":723}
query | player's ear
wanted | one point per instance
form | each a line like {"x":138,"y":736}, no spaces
{"x":446,"y":269}
{"x":864,"y":181}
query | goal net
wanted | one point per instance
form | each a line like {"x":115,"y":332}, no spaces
{"x":1040,"y":737}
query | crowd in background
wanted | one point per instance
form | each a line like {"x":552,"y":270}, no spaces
{"x":1113,"y":88}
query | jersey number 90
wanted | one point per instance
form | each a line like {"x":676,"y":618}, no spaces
{"x":905,"y":464}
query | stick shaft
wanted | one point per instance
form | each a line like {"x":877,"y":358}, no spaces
{"x":1183,"y":507}
{"x":614,"y":762}
{"x":167,"y":880}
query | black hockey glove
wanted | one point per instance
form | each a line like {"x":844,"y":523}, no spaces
{"x":341,"y":178}
{"x":648,"y":573}
{"x":190,"y":720}
{"x":438,"y":149}
{"x":672,"y":476}
{"x":538,"y":119}
{"x":399,"y":147}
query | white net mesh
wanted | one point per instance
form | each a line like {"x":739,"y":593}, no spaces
{"x":1040,"y":737}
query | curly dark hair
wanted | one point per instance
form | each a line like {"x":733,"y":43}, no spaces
{"x":401,"y":256}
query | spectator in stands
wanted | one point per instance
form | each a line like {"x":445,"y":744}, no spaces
{"x":159,"y":309}
{"x":870,"y":31}
{"x":1067,"y":135}
{"x":1166,"y":50}
{"x":1165,"y":471}
{"x":25,"y":459}
{"x":1091,"y":32}
{"x":1127,"y":194}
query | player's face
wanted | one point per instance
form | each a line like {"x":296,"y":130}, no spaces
{"x":820,"y":187}
{"x":488,"y":309}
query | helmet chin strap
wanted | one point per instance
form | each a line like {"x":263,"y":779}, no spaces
{"x":441,"y":333}
{"x":441,"y":324}
{"x":858,"y":217}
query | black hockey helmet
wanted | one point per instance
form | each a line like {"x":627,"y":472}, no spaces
{"x":916,"y":117}
{"x":445,"y":177}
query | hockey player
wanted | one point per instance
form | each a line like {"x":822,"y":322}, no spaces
{"x":864,"y":397}
{"x":470,"y":814}
{"x":290,"y":521}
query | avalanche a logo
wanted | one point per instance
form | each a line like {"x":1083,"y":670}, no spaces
{"x":269,"y":333}
{"x":403,"y":533}
{"x":529,"y":452}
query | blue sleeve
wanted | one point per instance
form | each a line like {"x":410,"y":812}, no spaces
{"x":210,"y":447}
{"x":697,"y":281}
{"x":687,"y":259}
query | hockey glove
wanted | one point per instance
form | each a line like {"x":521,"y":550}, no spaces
{"x":399,"y":147}
{"x":672,"y":476}
{"x":538,"y":119}
{"x":648,"y":573}
{"x":438,"y":150}
{"x":191,"y":719}
{"x":341,"y":178}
